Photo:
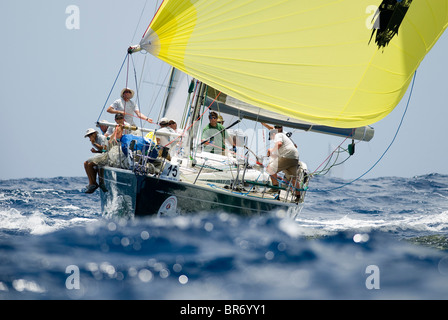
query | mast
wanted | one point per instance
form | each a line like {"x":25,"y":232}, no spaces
{"x":194,"y":125}
{"x":168,"y":92}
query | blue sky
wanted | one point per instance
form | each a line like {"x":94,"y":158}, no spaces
{"x":55,"y":81}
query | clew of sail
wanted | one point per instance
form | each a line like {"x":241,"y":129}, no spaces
{"x":344,"y":63}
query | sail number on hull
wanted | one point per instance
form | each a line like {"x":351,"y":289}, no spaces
{"x":171,"y":172}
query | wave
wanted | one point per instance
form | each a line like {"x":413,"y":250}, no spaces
{"x":217,"y":256}
{"x":15,"y":222}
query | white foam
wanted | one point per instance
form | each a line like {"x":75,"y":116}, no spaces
{"x":70,"y":207}
{"x":437,"y":222}
{"x":37,"y":223}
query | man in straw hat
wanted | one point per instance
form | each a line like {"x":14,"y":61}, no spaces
{"x":127,"y":107}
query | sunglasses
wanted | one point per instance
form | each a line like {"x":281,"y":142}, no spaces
{"x":212,"y":117}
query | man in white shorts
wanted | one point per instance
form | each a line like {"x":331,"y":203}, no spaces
{"x":99,"y":144}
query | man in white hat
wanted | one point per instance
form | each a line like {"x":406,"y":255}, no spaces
{"x":127,"y":107}
{"x":98,"y":140}
{"x":99,"y":146}
{"x":173,"y":125}
{"x":164,"y":127}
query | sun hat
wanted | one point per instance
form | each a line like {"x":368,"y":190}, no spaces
{"x":125,"y":89}
{"x":89,"y":132}
{"x":164,"y":121}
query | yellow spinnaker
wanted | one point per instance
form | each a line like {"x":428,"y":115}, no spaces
{"x":316,"y":60}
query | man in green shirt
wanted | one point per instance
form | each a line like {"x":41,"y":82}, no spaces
{"x":214,"y":136}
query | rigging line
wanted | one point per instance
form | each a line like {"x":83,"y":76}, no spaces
{"x":127,"y":73}
{"x":390,"y":145}
{"x":137,"y":90}
{"x":155,"y":93}
{"x":155,"y":97}
{"x":113,"y":86}
{"x":335,"y":163}
{"x":168,"y":91}
{"x":330,"y":156}
{"x":126,"y":86}
{"x":143,"y":69}
{"x":255,"y":135}
{"x":139,"y":20}
{"x":166,"y":95}
{"x":190,"y":106}
{"x":326,"y":169}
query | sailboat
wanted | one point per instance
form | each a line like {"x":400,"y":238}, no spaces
{"x":327,"y":66}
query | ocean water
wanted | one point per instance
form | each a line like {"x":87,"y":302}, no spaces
{"x":382,"y":238}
